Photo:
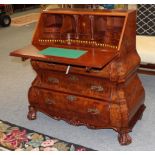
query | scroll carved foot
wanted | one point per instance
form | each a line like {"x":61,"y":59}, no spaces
{"x":124,"y":138}
{"x":32,"y":113}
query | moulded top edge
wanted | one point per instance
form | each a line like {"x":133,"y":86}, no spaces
{"x":113,"y":12}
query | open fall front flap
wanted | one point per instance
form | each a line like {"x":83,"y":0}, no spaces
{"x":89,"y":58}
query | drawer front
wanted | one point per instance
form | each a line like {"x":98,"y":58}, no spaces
{"x":70,"y":107}
{"x":76,"y":84}
{"x":74,"y":69}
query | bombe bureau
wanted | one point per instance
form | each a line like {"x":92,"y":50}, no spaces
{"x":99,"y":89}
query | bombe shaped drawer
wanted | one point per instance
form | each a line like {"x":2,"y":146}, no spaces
{"x":74,"y":108}
{"x":75,"y":84}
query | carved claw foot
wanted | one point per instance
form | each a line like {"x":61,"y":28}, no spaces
{"x":124,"y":138}
{"x":32,"y":113}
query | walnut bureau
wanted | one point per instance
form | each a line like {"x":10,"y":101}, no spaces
{"x":100,"y":89}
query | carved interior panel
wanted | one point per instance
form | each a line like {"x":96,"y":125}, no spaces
{"x":52,"y":26}
{"x":84,"y":30}
{"x":68,"y":27}
{"x":108,"y":29}
{"x":84,"y":27}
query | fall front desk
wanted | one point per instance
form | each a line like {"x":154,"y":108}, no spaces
{"x":86,"y":64}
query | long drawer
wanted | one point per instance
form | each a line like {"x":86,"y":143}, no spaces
{"x":73,"y":108}
{"x":75,"y":84}
{"x":73,"y":69}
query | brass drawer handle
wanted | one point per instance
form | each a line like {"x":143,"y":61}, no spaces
{"x":49,"y":101}
{"x":73,"y":78}
{"x":53,"y":80}
{"x":97,"y":88}
{"x":93,"y":111}
{"x":71,"y":98}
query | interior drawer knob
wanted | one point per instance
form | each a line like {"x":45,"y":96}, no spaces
{"x":93,"y":111}
{"x":53,"y":80}
{"x":49,"y":101}
{"x":97,"y":88}
{"x":71,"y":98}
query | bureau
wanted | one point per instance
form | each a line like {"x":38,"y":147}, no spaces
{"x":98,"y":89}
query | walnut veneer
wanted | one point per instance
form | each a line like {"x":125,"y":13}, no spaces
{"x":102,"y":88}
